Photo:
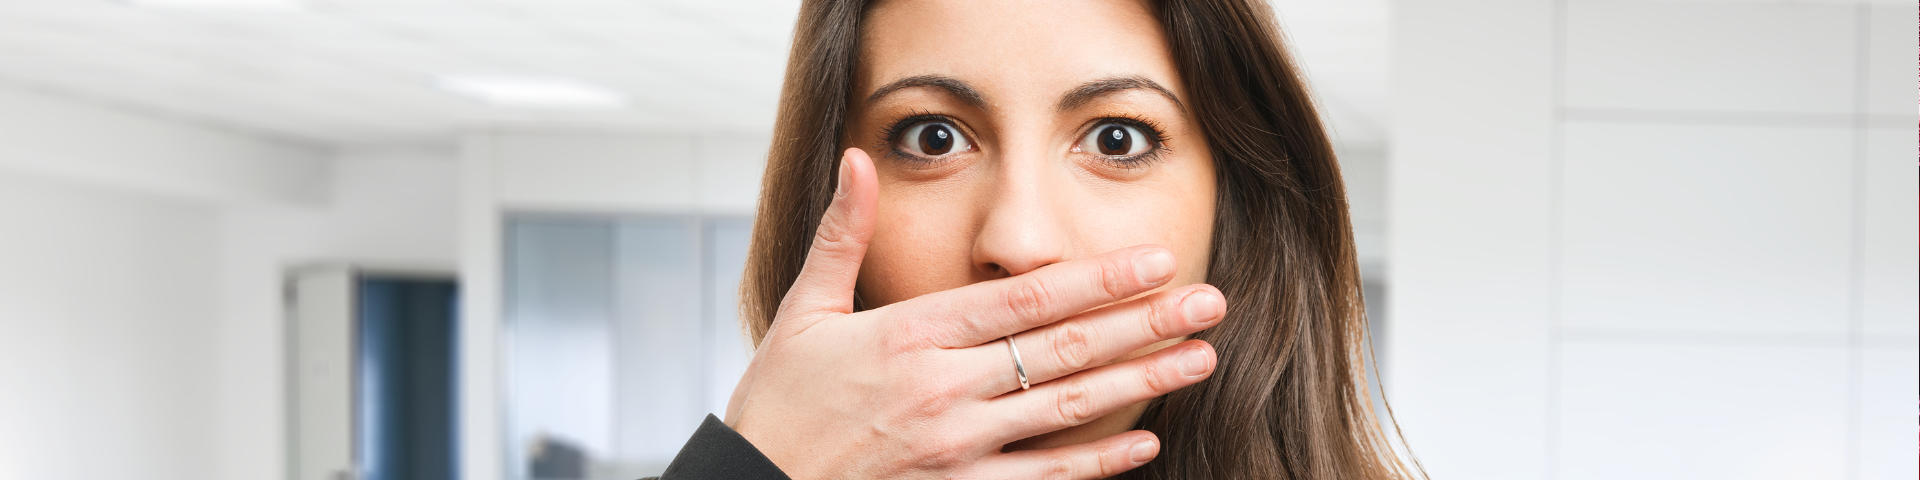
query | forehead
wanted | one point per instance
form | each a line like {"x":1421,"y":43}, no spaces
{"x":1012,"y":49}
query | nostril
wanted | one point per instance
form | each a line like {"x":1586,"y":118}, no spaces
{"x":997,"y":270}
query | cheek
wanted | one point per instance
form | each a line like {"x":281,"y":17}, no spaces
{"x":1189,"y":222}
{"x":1175,"y":209}
{"x":1187,"y":231}
{"x":915,"y":251}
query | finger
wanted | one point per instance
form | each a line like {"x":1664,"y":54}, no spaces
{"x":986,"y":311}
{"x":1093,"y":338}
{"x":1101,"y":458}
{"x":826,"y":281}
{"x":1083,"y":397}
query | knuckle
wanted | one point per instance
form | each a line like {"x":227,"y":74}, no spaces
{"x":1114,"y":278}
{"x":930,"y":399}
{"x":1150,"y":375}
{"x":1072,"y":346}
{"x":1028,"y":299}
{"x":1157,"y":315}
{"x":1073,"y":404}
{"x":908,"y":341}
{"x":832,"y":235}
{"x":930,"y":405}
{"x":911,"y":329}
{"x":1110,"y":462}
{"x":1059,"y":466}
{"x":938,"y":451}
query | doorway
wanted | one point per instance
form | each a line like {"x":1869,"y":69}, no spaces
{"x":374,"y":369}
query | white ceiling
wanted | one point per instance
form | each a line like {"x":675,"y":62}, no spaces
{"x":362,"y":72}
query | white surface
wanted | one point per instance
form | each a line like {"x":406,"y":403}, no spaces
{"x":361,"y":71}
{"x":1890,"y":384}
{"x":533,"y":91}
{"x":1671,"y":293}
{"x":1890,"y":285}
{"x":1365,"y":173}
{"x":1695,"y":228}
{"x":1468,"y":202}
{"x":481,"y":432}
{"x":237,"y":4}
{"x":590,"y":171}
{"x":1892,"y":84}
{"x":1345,"y":50}
{"x":1702,"y":411}
{"x":716,"y":173}
{"x":108,"y":302}
{"x":322,"y":362}
{"x":1753,"y":57}
{"x":49,"y":135}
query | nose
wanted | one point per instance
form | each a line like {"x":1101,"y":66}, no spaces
{"x":1023,"y":229}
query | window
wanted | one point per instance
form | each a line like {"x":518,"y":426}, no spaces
{"x":620,"y":334}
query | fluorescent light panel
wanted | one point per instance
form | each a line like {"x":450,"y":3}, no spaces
{"x":532,"y":91}
{"x":221,"y":4}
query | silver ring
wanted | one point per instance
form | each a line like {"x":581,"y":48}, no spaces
{"x":1018,"y":368}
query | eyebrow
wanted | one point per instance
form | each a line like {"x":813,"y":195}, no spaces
{"x":952,"y":86}
{"x":1089,"y":91}
{"x":1075,"y":98}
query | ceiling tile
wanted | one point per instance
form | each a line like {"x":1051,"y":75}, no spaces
{"x":360,"y":71}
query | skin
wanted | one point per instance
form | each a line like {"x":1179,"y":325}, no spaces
{"x":1032,"y":190}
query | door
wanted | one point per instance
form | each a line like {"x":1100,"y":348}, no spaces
{"x":373,"y":371}
{"x":321,"y":403}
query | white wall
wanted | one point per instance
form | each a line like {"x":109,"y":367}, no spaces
{"x":1364,"y":170}
{"x":1636,"y":239}
{"x":60,"y":137}
{"x":107,"y":301}
{"x":713,"y":173}
{"x":110,"y":266}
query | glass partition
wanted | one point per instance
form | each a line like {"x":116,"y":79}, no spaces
{"x":620,"y":335}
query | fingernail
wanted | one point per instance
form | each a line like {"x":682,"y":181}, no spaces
{"x":840,"y":186}
{"x":1142,"y":451}
{"x":1153,"y":266}
{"x":1193,"y":362}
{"x":1202,"y":307}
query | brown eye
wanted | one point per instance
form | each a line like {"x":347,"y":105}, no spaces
{"x":933,"y":139}
{"x":1116,"y":140}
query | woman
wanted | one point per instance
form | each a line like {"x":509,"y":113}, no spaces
{"x":1031,"y":277}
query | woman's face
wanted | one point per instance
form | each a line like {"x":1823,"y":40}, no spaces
{"x":1009,"y":135}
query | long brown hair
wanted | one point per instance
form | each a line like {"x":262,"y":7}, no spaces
{"x":1290,"y":396}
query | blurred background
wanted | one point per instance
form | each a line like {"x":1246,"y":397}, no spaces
{"x":500,"y":239}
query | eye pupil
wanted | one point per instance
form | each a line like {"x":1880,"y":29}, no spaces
{"x":1114,"y":141}
{"x":936,"y":139}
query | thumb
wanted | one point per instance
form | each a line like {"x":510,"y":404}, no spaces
{"x":826,"y":281}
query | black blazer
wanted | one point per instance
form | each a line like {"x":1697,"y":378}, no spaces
{"x":716,"y":452}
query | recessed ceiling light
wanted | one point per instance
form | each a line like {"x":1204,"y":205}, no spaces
{"x":532,"y":91}
{"x":221,"y":4}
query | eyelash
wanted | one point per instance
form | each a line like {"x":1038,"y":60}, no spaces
{"x":891,"y":135}
{"x":1149,"y":127}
